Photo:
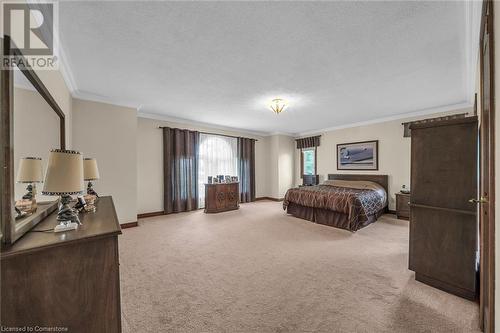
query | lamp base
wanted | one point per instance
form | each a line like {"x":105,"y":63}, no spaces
{"x":66,"y":214}
{"x":66,"y":226}
{"x":90,"y":190}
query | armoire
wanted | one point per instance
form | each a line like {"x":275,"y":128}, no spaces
{"x":444,"y":249}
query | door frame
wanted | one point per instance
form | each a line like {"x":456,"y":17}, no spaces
{"x":487,"y":242}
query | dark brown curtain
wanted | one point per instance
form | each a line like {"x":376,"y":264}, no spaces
{"x":312,"y":141}
{"x":180,"y":170}
{"x":406,"y":126}
{"x":246,"y":169}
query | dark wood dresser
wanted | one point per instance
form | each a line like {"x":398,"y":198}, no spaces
{"x":403,"y":206}
{"x":222,"y":197}
{"x":443,"y":221}
{"x":68,"y":279}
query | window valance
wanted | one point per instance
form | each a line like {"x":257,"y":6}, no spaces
{"x":309,"y":142}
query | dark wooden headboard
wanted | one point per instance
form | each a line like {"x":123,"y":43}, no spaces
{"x":379,"y":179}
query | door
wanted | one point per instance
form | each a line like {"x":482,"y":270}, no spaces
{"x":486,"y":183}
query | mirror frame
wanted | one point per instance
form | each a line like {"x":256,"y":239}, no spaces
{"x":10,"y":232}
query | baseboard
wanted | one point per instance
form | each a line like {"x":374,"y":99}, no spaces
{"x":269,"y":198}
{"x":152,"y":214}
{"x":129,"y":225}
{"x":389,"y":211}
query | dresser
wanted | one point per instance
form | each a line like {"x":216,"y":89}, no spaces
{"x":222,"y":197}
{"x":403,"y":206}
{"x":69,"y":279}
{"x":443,"y":223}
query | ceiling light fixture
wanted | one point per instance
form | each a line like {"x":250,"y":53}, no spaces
{"x":278,"y":105}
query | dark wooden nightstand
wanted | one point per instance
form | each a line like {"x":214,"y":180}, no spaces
{"x":402,"y":206}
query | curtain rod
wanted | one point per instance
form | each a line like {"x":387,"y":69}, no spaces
{"x":229,"y":136}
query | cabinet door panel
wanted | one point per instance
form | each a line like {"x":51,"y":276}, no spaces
{"x":220,"y":197}
{"x":445,"y":244}
{"x":444,"y":166}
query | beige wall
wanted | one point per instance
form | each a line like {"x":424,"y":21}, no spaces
{"x":394,"y":151}
{"x":286,"y":164}
{"x":150,"y":162}
{"x":263,"y":171}
{"x":274,"y":171}
{"x":108,"y":133}
{"x":281,"y":171}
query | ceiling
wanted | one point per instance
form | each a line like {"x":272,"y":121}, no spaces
{"x":219,"y":63}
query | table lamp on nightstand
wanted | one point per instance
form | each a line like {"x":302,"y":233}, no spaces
{"x":64,"y":177}
{"x":30,"y":172}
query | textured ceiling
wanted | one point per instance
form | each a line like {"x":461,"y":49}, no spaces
{"x":219,"y":62}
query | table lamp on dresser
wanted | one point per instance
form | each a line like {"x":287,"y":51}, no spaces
{"x":90,"y":173}
{"x":30,"y":172}
{"x":64,"y":177}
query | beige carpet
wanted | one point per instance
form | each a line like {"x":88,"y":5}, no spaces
{"x":259,"y":270}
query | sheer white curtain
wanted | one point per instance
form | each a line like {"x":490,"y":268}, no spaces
{"x":218,"y":155}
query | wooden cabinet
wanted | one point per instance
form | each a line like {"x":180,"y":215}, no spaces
{"x":222,"y":197}
{"x":402,"y":206}
{"x":443,"y":222}
{"x":69,"y":279}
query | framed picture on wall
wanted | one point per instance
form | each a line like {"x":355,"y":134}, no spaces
{"x":358,"y":155}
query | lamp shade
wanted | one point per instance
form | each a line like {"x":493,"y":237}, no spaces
{"x":30,"y":170}
{"x":90,"y":171}
{"x":64,"y":173}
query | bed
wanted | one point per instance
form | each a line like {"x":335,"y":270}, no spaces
{"x":348,"y":202}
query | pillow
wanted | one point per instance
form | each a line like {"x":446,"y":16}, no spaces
{"x":358,"y":184}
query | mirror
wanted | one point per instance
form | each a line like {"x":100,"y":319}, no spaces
{"x":36,"y":132}
{"x":32,"y":125}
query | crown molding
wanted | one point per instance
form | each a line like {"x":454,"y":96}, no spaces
{"x":90,"y":97}
{"x":155,"y":116}
{"x":65,"y":69}
{"x":418,"y":113}
{"x":282,"y":133}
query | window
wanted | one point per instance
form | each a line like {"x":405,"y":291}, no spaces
{"x":308,"y":165}
{"x":218,"y":155}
